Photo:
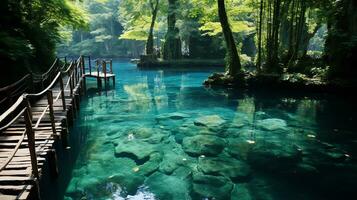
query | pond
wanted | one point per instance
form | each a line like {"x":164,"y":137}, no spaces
{"x":162,"y":135}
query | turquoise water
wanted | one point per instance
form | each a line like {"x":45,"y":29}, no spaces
{"x":161,"y":135}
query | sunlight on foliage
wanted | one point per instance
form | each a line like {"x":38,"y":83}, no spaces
{"x":134,"y":35}
{"x":214,"y":28}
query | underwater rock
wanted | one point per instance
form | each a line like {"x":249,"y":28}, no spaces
{"x":182,"y":172}
{"x":171,"y":161}
{"x":141,"y":132}
{"x":173,"y":116}
{"x":238,"y":147}
{"x":305,"y":171}
{"x":168,"y":187}
{"x":225,"y":166}
{"x":207,"y":186}
{"x":274,"y":157}
{"x":151,"y":165}
{"x":261,"y":115}
{"x":272,"y":124}
{"x":240,"y":192}
{"x":156,"y":138}
{"x":203,"y":145}
{"x":135,"y":149}
{"x":209,"y":121}
{"x":128,"y":181}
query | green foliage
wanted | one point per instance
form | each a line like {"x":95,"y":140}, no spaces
{"x":29,"y":31}
{"x":100,"y":38}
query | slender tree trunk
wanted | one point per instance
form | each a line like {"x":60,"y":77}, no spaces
{"x":232,"y":58}
{"x":259,"y":61}
{"x":172,"y":45}
{"x":300,"y":21}
{"x":306,"y":41}
{"x":150,"y":40}
{"x":291,"y":30}
{"x":273,"y":36}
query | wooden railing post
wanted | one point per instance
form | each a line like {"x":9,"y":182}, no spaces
{"x":31,"y":142}
{"x":111,"y":66}
{"x":105,"y":73}
{"x":57,"y":65}
{"x":70,"y":81}
{"x":28,"y":106}
{"x":62,"y":92}
{"x":99,"y":81}
{"x":90,"y":66}
{"x":75,"y":74}
{"x":83,"y":66}
{"x":50,"y":105}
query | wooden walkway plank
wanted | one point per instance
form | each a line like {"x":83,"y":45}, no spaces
{"x":50,"y":115}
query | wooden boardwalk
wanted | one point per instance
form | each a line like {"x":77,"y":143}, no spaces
{"x":34,"y":122}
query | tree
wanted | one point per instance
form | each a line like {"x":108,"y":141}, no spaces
{"x":29,"y":31}
{"x":150,"y":41}
{"x":232,"y":58}
{"x":341,"y":42}
{"x":172,"y":45}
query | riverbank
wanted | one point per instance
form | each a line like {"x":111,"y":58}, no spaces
{"x":296,"y":82}
{"x":184,"y":63}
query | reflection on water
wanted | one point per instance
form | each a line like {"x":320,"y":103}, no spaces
{"x":161,"y":135}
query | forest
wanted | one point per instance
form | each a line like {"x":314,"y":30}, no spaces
{"x":178,"y":99}
{"x":304,"y":39}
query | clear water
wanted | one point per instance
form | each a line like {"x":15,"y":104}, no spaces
{"x":161,"y":135}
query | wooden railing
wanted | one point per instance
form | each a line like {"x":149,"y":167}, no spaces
{"x":10,"y":93}
{"x":22,"y":107}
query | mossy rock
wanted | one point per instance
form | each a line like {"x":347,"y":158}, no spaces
{"x":203,"y":145}
{"x":226,"y":166}
{"x":168,"y":187}
{"x":212,"y":187}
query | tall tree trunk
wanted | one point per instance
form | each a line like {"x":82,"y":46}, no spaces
{"x":232,"y":58}
{"x":172,"y":45}
{"x":307,"y":38}
{"x":259,"y":61}
{"x":291,"y":31}
{"x":300,"y":21}
{"x":150,"y":40}
{"x":272,"y":64}
{"x":341,"y":44}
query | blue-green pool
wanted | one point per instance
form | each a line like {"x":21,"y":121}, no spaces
{"x":162,"y":135}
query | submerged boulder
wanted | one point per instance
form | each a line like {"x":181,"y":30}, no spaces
{"x":168,"y":187}
{"x":203,"y":145}
{"x":171,"y":162}
{"x":210,"y":121}
{"x":241,"y":192}
{"x":151,"y":165}
{"x":172,"y":116}
{"x":128,"y":181}
{"x":228,"y":167}
{"x":238,"y":147}
{"x":135,"y":149}
{"x":212,"y":187}
{"x":274,"y":157}
{"x":272,"y":124}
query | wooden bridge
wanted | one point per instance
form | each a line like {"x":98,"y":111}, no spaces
{"x":33,"y":122}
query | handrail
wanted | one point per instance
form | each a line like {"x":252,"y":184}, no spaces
{"x":49,"y":70}
{"x":11,"y":109}
{"x":74,"y":72}
{"x":67,"y":70}
{"x":14,"y":84}
{"x":8,"y":160}
{"x":46,"y":89}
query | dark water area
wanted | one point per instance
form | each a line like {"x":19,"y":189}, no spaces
{"x":162,"y":135}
